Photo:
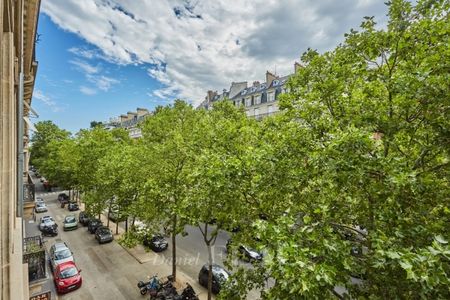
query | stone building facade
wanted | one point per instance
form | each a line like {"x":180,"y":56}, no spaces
{"x":129,"y":122}
{"x":18,"y":23}
{"x":259,"y":99}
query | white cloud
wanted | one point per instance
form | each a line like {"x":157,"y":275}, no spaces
{"x":92,"y":74}
{"x":47,"y":100}
{"x":193,"y":48}
{"x":102,"y":82}
{"x":85,"y":67}
{"x":87,"y":91}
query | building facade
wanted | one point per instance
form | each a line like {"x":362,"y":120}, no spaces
{"x":129,"y":122}
{"x":259,"y":100}
{"x":18,"y":22}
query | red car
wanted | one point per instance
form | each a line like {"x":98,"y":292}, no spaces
{"x":67,"y":277}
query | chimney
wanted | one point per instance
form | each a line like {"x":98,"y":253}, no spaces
{"x":236,"y":88}
{"x":131,"y":115}
{"x":269,"y":78}
{"x":142,"y":111}
{"x":256,"y":83}
{"x":297,"y":67}
{"x":210,"y":95}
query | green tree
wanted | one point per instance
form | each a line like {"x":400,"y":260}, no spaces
{"x":95,"y":124}
{"x":221,"y":181}
{"x":168,"y":156}
{"x":46,"y":132}
{"x":92,"y":146}
{"x":364,"y":142}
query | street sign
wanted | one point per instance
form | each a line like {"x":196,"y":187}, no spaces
{"x":42,"y":296}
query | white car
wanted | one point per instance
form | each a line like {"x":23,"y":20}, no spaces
{"x":46,"y":221}
{"x":40,"y":207}
{"x":60,"y":253}
{"x":39,"y":199}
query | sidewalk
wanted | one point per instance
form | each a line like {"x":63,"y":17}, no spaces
{"x":159,"y":265}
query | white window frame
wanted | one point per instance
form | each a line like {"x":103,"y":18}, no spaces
{"x":257,"y":99}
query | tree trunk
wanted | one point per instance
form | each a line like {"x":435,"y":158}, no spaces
{"x":107,"y":217}
{"x":209,"y":271}
{"x":126,"y":224}
{"x":174,"y":247}
{"x":117,"y":227}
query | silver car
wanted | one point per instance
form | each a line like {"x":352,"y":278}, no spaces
{"x":40,"y":207}
{"x":46,"y":221}
{"x":60,"y":253}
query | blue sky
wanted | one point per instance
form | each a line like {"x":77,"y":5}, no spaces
{"x":71,"y":97}
{"x":102,"y":58}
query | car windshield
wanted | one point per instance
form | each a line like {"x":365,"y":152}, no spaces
{"x":69,"y":272}
{"x":47,"y":221}
{"x":62,"y":254}
{"x":70,"y":219}
{"x":104,"y":231}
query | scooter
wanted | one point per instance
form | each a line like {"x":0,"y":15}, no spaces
{"x":152,"y":286}
{"x":188,"y":293}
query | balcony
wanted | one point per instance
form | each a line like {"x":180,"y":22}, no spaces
{"x":261,"y":116}
{"x":34,"y":256}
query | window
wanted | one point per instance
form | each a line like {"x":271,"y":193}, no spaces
{"x":248,"y":101}
{"x":257,"y":99}
{"x":271,"y":97}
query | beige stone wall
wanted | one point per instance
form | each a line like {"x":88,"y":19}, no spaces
{"x":13,"y":274}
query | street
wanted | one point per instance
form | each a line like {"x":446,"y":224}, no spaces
{"x":111,"y":272}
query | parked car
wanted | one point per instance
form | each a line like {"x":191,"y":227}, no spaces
{"x":67,"y":277}
{"x":70,"y":222}
{"x":47,"y":185}
{"x":59,"y":253}
{"x":104,"y":235}
{"x":39,"y":199}
{"x":245,"y":252}
{"x":94,"y":224}
{"x":63,"y":198}
{"x":84,"y":218}
{"x":156,"y":242}
{"x":116,"y":216}
{"x":40,"y":207}
{"x":219,"y":277}
{"x":46,"y":221}
{"x":73,"y":206}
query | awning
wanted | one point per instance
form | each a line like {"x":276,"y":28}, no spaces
{"x":31,"y":109}
{"x":30,"y":125}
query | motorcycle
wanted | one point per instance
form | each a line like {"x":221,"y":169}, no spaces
{"x":188,"y":293}
{"x":165,"y":290}
{"x":49,"y":231}
{"x":152,"y":286}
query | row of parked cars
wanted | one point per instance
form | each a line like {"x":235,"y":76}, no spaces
{"x":95,"y":226}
